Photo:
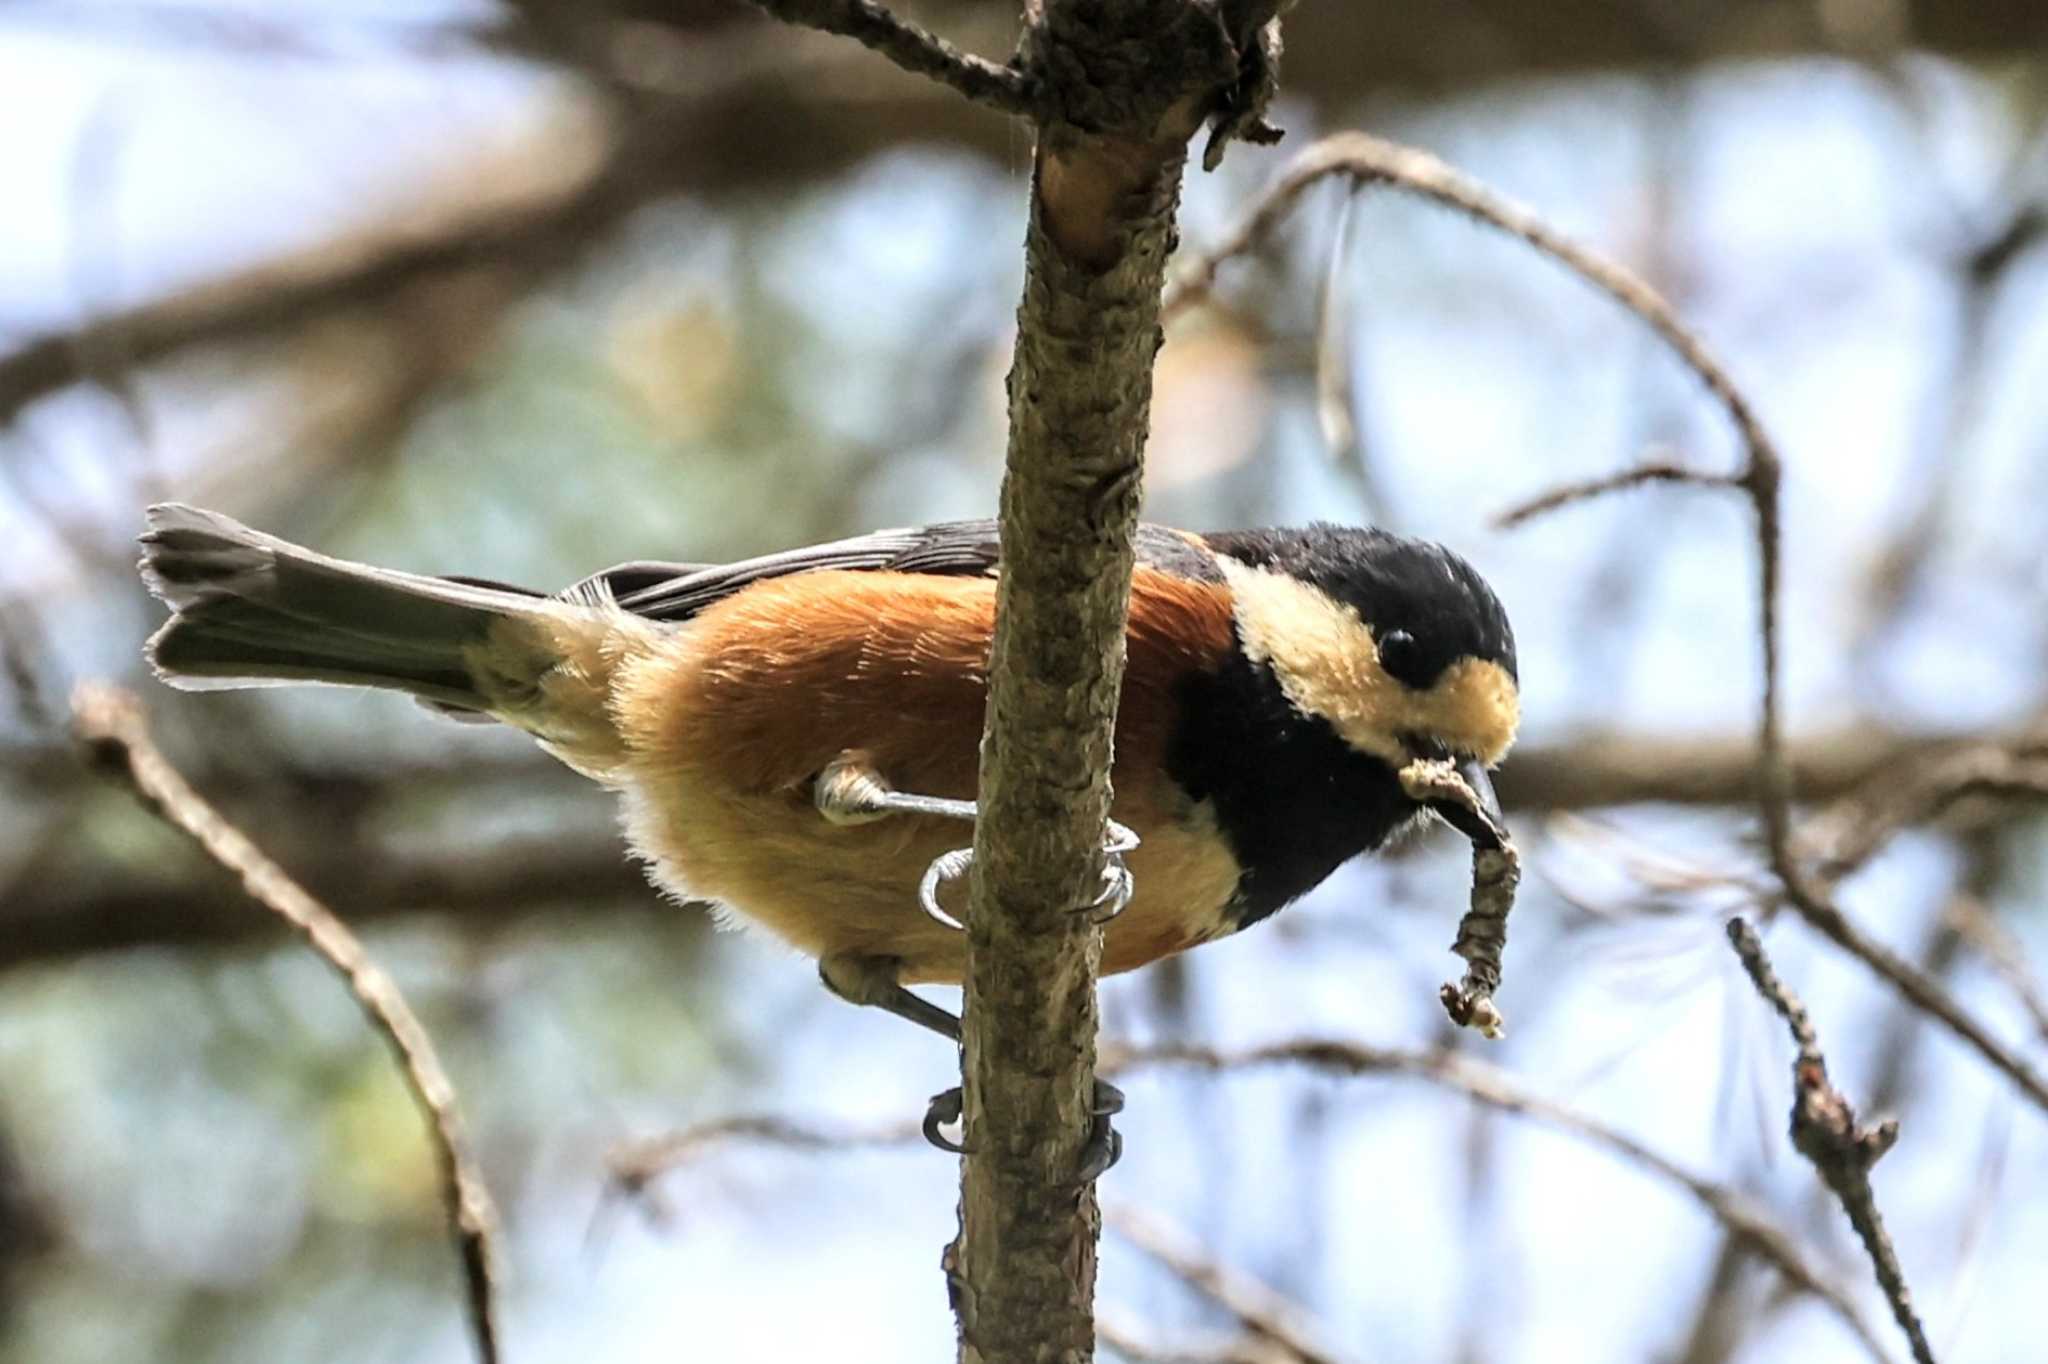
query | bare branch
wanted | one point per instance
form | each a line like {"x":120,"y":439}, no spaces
{"x":635,"y":1165}
{"x":110,"y":724}
{"x":1898,"y":800}
{"x":119,"y":905}
{"x":1911,"y":791}
{"x":1125,"y":87}
{"x":1652,"y":472}
{"x":1976,"y":925}
{"x":1742,"y":1218}
{"x":1603,"y":769}
{"x":1119,"y":1335}
{"x":1824,"y":1130}
{"x":1921,"y":990}
{"x":913,"y":48}
{"x":1373,"y":160}
{"x":539,"y":207}
{"x":1851,"y":834}
{"x":1264,"y":1313}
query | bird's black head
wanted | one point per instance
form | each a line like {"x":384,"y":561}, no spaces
{"x":1358,"y":652}
{"x":1398,"y":644}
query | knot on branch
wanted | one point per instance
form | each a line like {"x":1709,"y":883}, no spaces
{"x":1240,"y":114}
{"x":1152,"y":71}
{"x":1824,"y":1127}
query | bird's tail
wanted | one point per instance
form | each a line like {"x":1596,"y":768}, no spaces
{"x":253,"y":610}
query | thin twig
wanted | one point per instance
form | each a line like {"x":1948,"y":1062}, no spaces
{"x":1370,"y":159}
{"x":1742,"y":1218}
{"x":636,"y":1164}
{"x":1923,"y":991}
{"x":1654,"y":471}
{"x":1749,"y":1225}
{"x":1260,"y":1310}
{"x":1373,"y":160}
{"x":915,"y":49}
{"x":1336,"y":404}
{"x":109,"y":722}
{"x":1118,"y":1335}
{"x":1854,"y":831}
{"x":1273,"y":1325}
{"x":1976,"y":925}
{"x":1864,"y":822}
{"x":1824,"y":1130}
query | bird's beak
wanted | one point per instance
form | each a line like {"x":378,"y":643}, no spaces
{"x":1485,"y":826}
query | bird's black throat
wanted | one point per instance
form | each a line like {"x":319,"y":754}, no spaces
{"x":1293,"y":800}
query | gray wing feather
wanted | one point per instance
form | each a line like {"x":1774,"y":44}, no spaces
{"x":950,"y":548}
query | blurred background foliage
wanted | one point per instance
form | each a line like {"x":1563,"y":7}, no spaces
{"x":522,"y":289}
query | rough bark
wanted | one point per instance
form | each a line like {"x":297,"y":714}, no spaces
{"x":1128,"y":86}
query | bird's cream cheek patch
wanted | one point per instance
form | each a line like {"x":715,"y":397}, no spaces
{"x":1328,"y":665}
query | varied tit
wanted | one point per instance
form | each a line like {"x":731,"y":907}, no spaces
{"x":795,"y":736}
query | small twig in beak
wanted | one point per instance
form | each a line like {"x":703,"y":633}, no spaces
{"x":1496,"y":871}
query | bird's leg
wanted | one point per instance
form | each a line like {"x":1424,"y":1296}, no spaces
{"x":860,"y":979}
{"x":872,"y":981}
{"x":851,"y":791}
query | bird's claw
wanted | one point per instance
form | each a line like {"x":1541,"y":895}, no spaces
{"x":945,"y":867}
{"x":1117,"y":883}
{"x":1103,"y":1147}
{"x":943,"y":1109}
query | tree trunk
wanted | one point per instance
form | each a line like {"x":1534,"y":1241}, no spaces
{"x":1125,"y":88}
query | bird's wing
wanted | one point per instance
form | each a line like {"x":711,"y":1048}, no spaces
{"x":953,"y":549}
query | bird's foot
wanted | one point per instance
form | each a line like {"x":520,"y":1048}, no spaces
{"x":1102,"y":1149}
{"x":1105,"y":1145}
{"x":944,"y":1110}
{"x":1117,"y":883}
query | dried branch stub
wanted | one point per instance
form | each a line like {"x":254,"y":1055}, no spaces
{"x":114,"y":735}
{"x":1825,"y":1130}
{"x":1496,"y":872}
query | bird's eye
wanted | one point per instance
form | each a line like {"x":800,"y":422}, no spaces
{"x":1402,"y":657}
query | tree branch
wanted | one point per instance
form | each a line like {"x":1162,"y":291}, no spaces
{"x":1824,"y":1130}
{"x":1263,"y":1313}
{"x":1749,"y":1225}
{"x":593,"y":178}
{"x":1124,"y":89}
{"x":117,"y":906}
{"x":1920,"y":989}
{"x":1488,"y":1085}
{"x":1370,"y":159}
{"x":110,"y":725}
{"x":1118,"y":1335}
{"x":913,"y":48}
{"x":1656,"y":471}
{"x":1974,"y":922}
{"x":1852,"y":833}
{"x":1855,"y":830}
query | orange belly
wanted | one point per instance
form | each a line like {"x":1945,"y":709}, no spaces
{"x":728,"y":720}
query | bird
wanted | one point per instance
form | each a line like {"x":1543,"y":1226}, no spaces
{"x":795,"y":737}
